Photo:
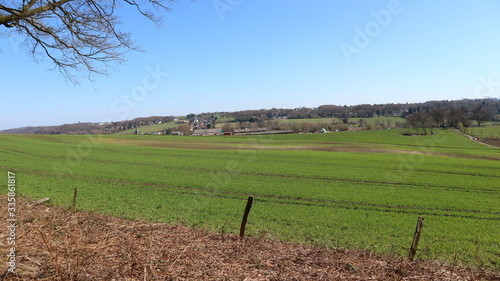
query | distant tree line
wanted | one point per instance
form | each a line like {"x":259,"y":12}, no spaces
{"x":455,"y":115}
{"x":98,"y":128}
{"x":478,"y":109}
{"x":421,"y":116}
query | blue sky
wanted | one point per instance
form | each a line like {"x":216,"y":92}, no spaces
{"x":227,"y":55}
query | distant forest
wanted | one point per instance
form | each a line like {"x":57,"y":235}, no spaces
{"x":450,"y":111}
{"x":457,"y":114}
{"x":420,"y":116}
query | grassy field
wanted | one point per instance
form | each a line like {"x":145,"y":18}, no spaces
{"x":362,"y":190}
{"x":386,"y":122}
{"x":484,"y":132}
{"x":151,"y":129}
{"x":329,"y":120}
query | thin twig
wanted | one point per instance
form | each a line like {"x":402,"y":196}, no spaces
{"x":322,"y":275}
{"x":51,"y":253}
{"x":179,"y":256}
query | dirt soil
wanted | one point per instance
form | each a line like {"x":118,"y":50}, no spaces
{"x":490,"y":142}
{"x":493,"y":142}
{"x":54,"y":243}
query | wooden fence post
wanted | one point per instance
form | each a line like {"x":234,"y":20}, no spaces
{"x":245,"y":216}
{"x":74,"y":199}
{"x":416,"y":237}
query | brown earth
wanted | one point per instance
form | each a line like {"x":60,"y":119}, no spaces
{"x":490,"y":142}
{"x":54,"y":243}
{"x":495,"y":142}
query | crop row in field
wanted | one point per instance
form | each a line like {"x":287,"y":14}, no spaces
{"x":306,"y":189}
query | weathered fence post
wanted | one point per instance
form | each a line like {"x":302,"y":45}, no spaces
{"x":416,"y":237}
{"x":245,"y":216}
{"x":74,"y":199}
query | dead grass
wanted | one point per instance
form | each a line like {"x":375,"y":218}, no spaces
{"x":54,"y":243}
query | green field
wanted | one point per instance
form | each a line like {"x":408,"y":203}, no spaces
{"x":151,"y":129}
{"x":484,"y":132}
{"x":359,"y":190}
{"x":386,"y":121}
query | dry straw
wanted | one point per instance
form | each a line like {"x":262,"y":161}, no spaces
{"x":67,"y":245}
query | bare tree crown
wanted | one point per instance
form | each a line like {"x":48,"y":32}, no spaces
{"x":76,"y":35}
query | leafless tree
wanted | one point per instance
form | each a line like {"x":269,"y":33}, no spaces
{"x":438,"y":114}
{"x":185,"y":129}
{"x":482,"y":114}
{"x":76,"y":35}
{"x":420,"y":120}
{"x":458,"y":116}
{"x":228,"y":128}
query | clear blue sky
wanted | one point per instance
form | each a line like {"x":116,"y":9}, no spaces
{"x":264,"y":54}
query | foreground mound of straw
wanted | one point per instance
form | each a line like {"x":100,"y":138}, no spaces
{"x":54,"y":243}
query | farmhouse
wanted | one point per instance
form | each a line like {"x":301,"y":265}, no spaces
{"x":207,"y":132}
{"x":251,"y":131}
{"x":259,"y":131}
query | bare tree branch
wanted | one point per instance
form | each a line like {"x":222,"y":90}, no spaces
{"x":76,"y":35}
